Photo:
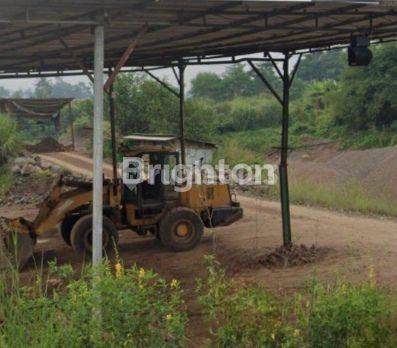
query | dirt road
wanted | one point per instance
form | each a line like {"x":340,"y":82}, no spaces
{"x":354,"y":243}
{"x":75,"y":163}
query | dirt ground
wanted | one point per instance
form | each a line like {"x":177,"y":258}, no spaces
{"x":353,"y":243}
{"x":375,"y":169}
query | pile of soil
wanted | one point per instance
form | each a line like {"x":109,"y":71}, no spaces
{"x":295,"y":255}
{"x":28,"y":190}
{"x":375,"y":169}
{"x":47,"y":145}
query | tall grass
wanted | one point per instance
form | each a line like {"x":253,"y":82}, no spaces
{"x":5,"y":180}
{"x":137,"y":309}
{"x":349,"y":197}
{"x":340,"y":315}
{"x":10,"y":138}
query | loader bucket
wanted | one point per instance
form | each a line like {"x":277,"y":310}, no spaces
{"x":16,"y":248}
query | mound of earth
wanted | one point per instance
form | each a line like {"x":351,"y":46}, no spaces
{"x":28,"y":190}
{"x":294,"y":255}
{"x":47,"y":145}
{"x":375,"y":169}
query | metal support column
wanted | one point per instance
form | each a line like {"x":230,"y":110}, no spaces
{"x":283,"y":168}
{"x":112,"y":117}
{"x":287,"y":79}
{"x":97,"y":227}
{"x":182,"y":68}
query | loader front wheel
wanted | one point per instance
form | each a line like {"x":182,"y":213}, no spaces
{"x":81,"y":235}
{"x":66,"y":227}
{"x":181,"y":229}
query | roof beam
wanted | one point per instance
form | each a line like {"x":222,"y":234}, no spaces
{"x":128,"y":52}
{"x":242,"y":34}
{"x":274,"y":37}
{"x":77,"y":60}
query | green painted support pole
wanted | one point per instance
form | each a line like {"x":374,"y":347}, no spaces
{"x":283,"y":168}
{"x":182,"y":68}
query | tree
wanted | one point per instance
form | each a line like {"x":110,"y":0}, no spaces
{"x":144,"y":106}
{"x":207,"y":85}
{"x":367,"y":97}
{"x":322,"y":66}
{"x":4,"y":93}
{"x":43,"y":89}
{"x":63,"y":89}
{"x":237,"y":82}
{"x":267,"y":70}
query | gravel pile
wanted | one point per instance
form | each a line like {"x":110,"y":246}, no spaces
{"x":25,"y":166}
{"x":47,"y":145}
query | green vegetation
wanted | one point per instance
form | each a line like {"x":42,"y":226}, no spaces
{"x":329,"y":100}
{"x":354,"y":107}
{"x":119,"y":307}
{"x":10,"y":139}
{"x":138,"y":309}
{"x":346,"y":316}
{"x":348,"y":197}
{"x":243,"y":317}
{"x":10,"y":144}
{"x":338,"y":315}
{"x":5,"y":180}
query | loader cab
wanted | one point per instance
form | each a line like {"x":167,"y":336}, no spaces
{"x":149,"y":198}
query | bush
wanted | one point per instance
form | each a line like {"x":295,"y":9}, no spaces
{"x":10,"y":138}
{"x":137,"y":308}
{"x":342,"y":315}
{"x":249,"y":113}
{"x":346,"y":316}
{"x":248,"y":317}
{"x":251,"y":146}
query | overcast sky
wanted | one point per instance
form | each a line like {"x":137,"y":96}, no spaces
{"x":191,"y":72}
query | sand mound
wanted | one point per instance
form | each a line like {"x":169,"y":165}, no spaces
{"x":46,"y":145}
{"x":294,"y":255}
{"x":375,"y":169}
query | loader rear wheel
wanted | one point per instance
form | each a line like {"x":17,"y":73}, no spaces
{"x":181,"y":229}
{"x":81,"y":235}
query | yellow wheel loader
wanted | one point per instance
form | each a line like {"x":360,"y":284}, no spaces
{"x":177,"y":219}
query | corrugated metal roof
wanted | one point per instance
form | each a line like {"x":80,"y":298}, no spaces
{"x":164,"y":139}
{"x":149,"y":138}
{"x":56,"y":36}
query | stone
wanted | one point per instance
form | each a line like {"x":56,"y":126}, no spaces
{"x":21,"y":161}
{"x":56,"y":169}
{"x":45,"y":165}
{"x":16,"y":169}
{"x":27,"y":169}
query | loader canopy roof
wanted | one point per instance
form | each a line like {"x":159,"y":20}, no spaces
{"x":56,"y":36}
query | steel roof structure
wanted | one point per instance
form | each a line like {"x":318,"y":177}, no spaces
{"x":56,"y":36}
